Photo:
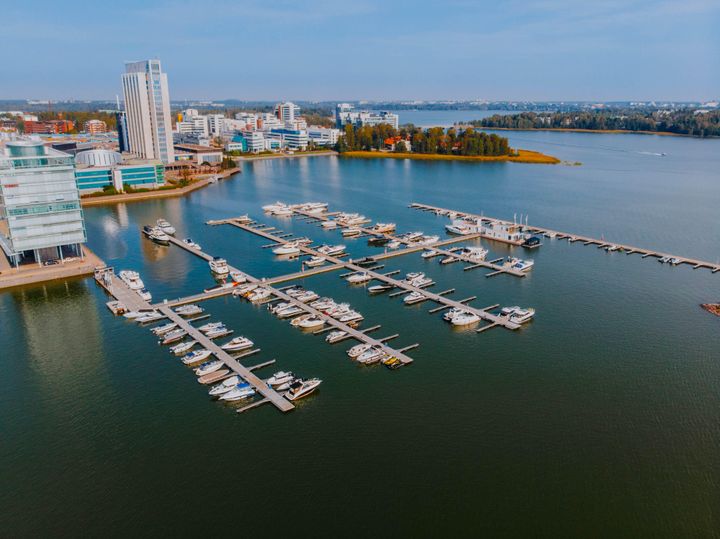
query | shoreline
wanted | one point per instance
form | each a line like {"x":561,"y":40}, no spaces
{"x":525,"y":156}
{"x":578,"y":130}
{"x":285,"y":156}
{"x":156,"y":193}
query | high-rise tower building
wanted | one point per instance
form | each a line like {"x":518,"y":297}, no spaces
{"x":147,"y":109}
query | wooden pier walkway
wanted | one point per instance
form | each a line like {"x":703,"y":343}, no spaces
{"x":572,"y":238}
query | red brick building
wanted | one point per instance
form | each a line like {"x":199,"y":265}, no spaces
{"x":49,"y":127}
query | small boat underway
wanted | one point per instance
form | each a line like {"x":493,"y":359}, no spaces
{"x":302,"y":388}
{"x":219,"y":266}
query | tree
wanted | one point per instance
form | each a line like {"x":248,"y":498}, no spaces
{"x":400,"y":147}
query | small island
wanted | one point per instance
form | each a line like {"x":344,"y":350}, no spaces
{"x":436,"y":143}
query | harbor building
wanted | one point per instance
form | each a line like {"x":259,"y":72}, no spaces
{"x":99,"y":169}
{"x":40,"y":214}
{"x":346,"y":114}
{"x":147,"y":106}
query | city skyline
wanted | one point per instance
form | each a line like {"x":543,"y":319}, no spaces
{"x":539,"y":51}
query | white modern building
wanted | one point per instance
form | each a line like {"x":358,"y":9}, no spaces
{"x":40,"y":214}
{"x":346,"y":114}
{"x":323,"y":136}
{"x":215,"y":124}
{"x":147,"y":105}
{"x":286,"y":112}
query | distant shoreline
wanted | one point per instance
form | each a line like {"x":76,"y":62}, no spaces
{"x":525,"y":156}
{"x":284,"y":155}
{"x":576,"y":130}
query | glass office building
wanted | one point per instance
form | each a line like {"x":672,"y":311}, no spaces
{"x":40,"y":214}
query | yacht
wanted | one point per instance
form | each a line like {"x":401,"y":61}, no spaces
{"x":132,"y":279}
{"x":350,"y":317}
{"x":414,"y":297}
{"x":331,"y":250}
{"x":282,"y":212}
{"x":520,"y":265}
{"x":132,"y":315}
{"x":308,"y":321}
{"x":307,"y":296}
{"x":315,"y":261}
{"x":380,"y":288}
{"x":393,"y":244}
{"x":158,"y":236}
{"x":190,"y":243}
{"x":210,"y":325}
{"x":238,"y":277}
{"x":335,"y":336}
{"x":210,"y":366}
{"x":239,"y":392}
{"x":449,"y":315}
{"x":421,"y":282}
{"x":287,"y":312}
{"x":174,"y":336}
{"x":521,"y":316}
{"x":183,"y":347}
{"x":450,"y":259}
{"x":259,"y":295}
{"x":226,"y":385}
{"x":196,"y":356}
{"x":189,"y":310}
{"x":427,"y":240}
{"x":144,"y":294}
{"x":294,"y":291}
{"x":287,"y":249}
{"x":674,"y":261}
{"x":429,"y":253}
{"x":302,"y":388}
{"x":351,"y":232}
{"x":272,"y":207}
{"x":244,"y":289}
{"x":329,"y":224}
{"x":358,"y":349}
{"x":411,"y":236}
{"x":611,"y":248}
{"x":664,"y":259}
{"x":166,"y":227}
{"x":383,"y":228}
{"x":165,"y":328}
{"x":378,"y":241}
{"x":280,"y":377}
{"x":474,"y":253}
{"x":464,"y":318}
{"x":237,"y":344}
{"x":371,"y":355}
{"x":219,"y":266}
{"x":359,"y":278}
{"x":218,"y":332}
{"x":324,"y":305}
{"x":414,"y":275}
{"x":461,"y":227}
{"x":149,"y":317}
{"x":507,"y":311}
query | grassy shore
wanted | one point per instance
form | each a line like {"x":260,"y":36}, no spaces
{"x":523,"y":156}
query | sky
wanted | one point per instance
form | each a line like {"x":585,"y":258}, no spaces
{"x":589,"y":50}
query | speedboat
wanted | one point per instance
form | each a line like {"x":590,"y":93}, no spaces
{"x":335,"y":336}
{"x":674,"y":261}
{"x":149,"y":317}
{"x":460,"y":227}
{"x":287,"y":312}
{"x":259,"y":295}
{"x":196,"y":356}
{"x":312,"y":322}
{"x":219,"y":266}
{"x":244,"y":289}
{"x":351,"y":232}
{"x":331,"y":250}
{"x":520,"y":265}
{"x":393,"y":244}
{"x":166,"y":328}
{"x":166,"y":227}
{"x":359,"y":278}
{"x":383,"y":227}
{"x":132,"y":279}
{"x":158,"y":236}
{"x":287,"y":249}
{"x":380,"y":288}
{"x":429,"y":253}
{"x":521,"y":316}
{"x":350,"y":317}
{"x":414,"y":275}
{"x":210,"y":366}
{"x":372,"y":354}
{"x":282,"y":212}
{"x":279,"y":306}
{"x":411,"y":236}
{"x":294,"y":292}
{"x":239,"y":392}
{"x":237,"y":277}
{"x":307,"y":296}
{"x":183,"y":347}
{"x":329,"y":224}
{"x":452,"y":313}
{"x":610,"y":248}
{"x":237,"y":344}
{"x":174,"y":336}
{"x":449,"y":259}
{"x":474,"y":253}
{"x":414,"y":297}
{"x":210,"y":325}
{"x":421,"y":282}
{"x":507,"y":311}
{"x":664,"y":259}
{"x":218,"y":332}
{"x":132,"y":315}
{"x":280,"y":377}
{"x":190,"y":243}
{"x":358,"y":349}
{"x":315,"y":261}
{"x":302,"y":388}
{"x":464,"y":318}
{"x":189,"y":310}
{"x":226,"y":385}
{"x":323,"y":304}
{"x":144,"y":294}
{"x":378,"y":241}
{"x":428,"y":240}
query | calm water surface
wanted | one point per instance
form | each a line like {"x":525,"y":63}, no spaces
{"x":601,"y":418}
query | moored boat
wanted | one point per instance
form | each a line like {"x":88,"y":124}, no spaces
{"x":335,"y":336}
{"x":314,"y":261}
{"x":359,"y":278}
{"x":196,"y":356}
{"x":207,"y":368}
{"x":237,"y":344}
{"x":219,"y":266}
{"x":190,"y":243}
{"x":226,"y":385}
{"x":166,"y":227}
{"x":302,"y":388}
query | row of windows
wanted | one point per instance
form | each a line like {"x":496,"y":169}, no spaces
{"x":44,"y":208}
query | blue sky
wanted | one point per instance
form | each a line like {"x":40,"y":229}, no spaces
{"x":392,"y":49}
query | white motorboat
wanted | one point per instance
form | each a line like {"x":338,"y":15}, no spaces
{"x":414,"y":275}
{"x":429,"y":253}
{"x":280,"y":377}
{"x":449,"y":315}
{"x":329,"y":225}
{"x":428,"y":240}
{"x":449,"y":259}
{"x":149,"y":317}
{"x":183,"y":347}
{"x":351,"y":232}
{"x":239,"y":392}
{"x":287,"y":312}
{"x":674,"y":261}
{"x":287,"y":249}
{"x":611,"y":248}
{"x":166,"y":227}
{"x":350,"y":317}
{"x":219,"y":266}
{"x":244,"y":289}
{"x":302,"y":388}
{"x":464,"y":318}
{"x":307,"y":296}
{"x":520,"y":265}
{"x":277,"y":307}
{"x":372,"y":354}
{"x":272,"y":207}
{"x":474,"y":253}
{"x":282,"y":212}
{"x":310,"y":322}
{"x":507,"y":311}
{"x":190,"y":243}
{"x":226,"y":385}
{"x":464,"y":227}
{"x":166,"y":328}
{"x":237,"y":344}
{"x":132,"y":315}
{"x":174,"y":336}
{"x":210,"y":325}
{"x":413,"y":298}
{"x":551,"y":234}
{"x":421,"y":282}
{"x":131,"y":279}
{"x":237,"y":277}
{"x":314,"y":261}
{"x":359,"y":278}
{"x":196,"y":356}
{"x":218,"y":332}
{"x":259,"y":295}
{"x":294,"y":292}
{"x":380,"y":288}
{"x":189,"y":310}
{"x":144,"y":294}
{"x":210,"y":366}
{"x":158,"y":236}
{"x":521,"y":316}
{"x":323,"y":304}
{"x":394,"y":244}
{"x":338,"y":310}
{"x":411,"y":236}
{"x":383,"y":228}
{"x":331,"y":250}
{"x":358,"y":349}
{"x":335,"y":336}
